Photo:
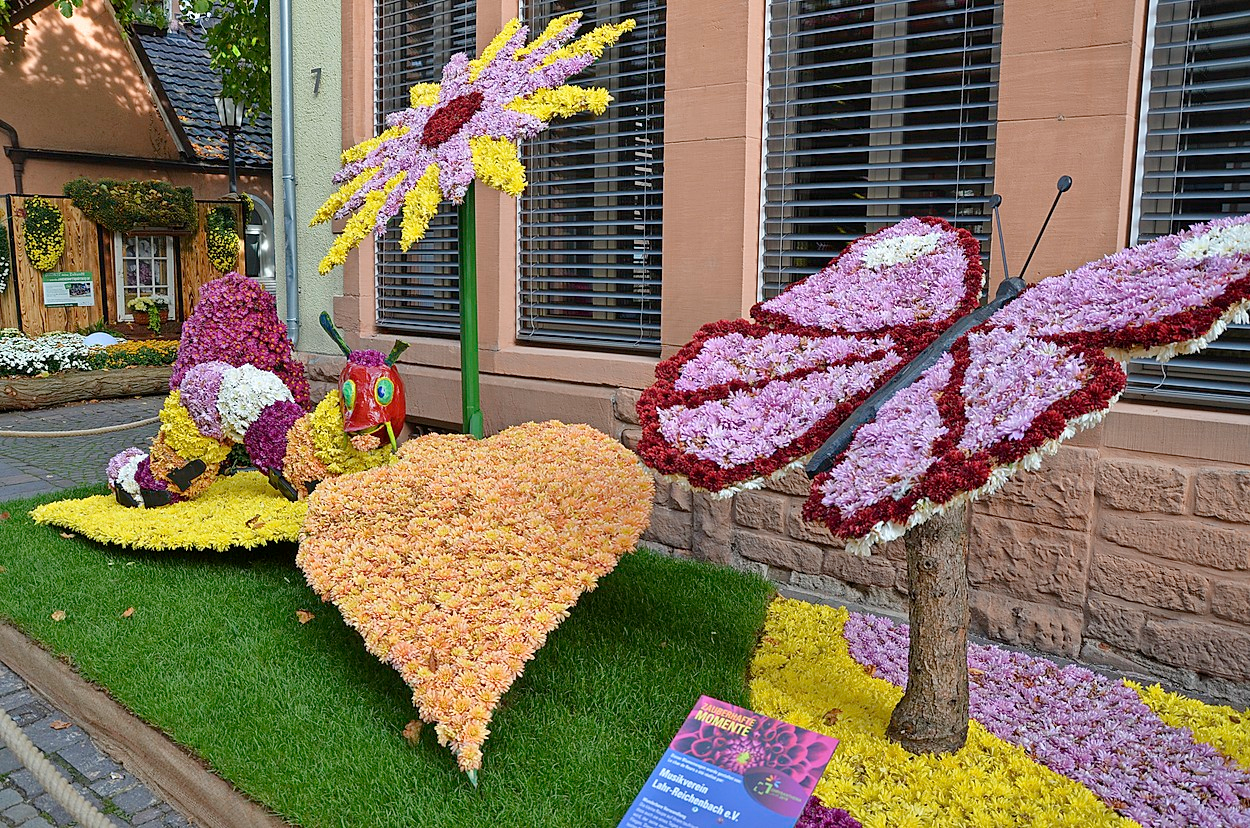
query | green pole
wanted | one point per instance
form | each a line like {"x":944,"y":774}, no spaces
{"x":470,"y":386}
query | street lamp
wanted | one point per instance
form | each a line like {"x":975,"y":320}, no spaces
{"x":230,"y":113}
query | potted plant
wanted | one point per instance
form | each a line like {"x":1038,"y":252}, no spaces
{"x":150,"y":311}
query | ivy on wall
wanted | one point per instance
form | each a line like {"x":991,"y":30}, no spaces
{"x":122,"y":206}
{"x":45,"y":233}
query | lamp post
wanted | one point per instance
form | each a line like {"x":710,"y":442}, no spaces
{"x":230,"y":113}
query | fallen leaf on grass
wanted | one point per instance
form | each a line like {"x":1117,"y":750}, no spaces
{"x":59,"y":615}
{"x":255,"y":522}
{"x":3,"y":570}
{"x":973,"y":671}
{"x":304,"y":616}
{"x":412,"y":732}
{"x":67,"y":534}
{"x":5,"y":516}
{"x":59,"y":725}
{"x":831,"y":717}
{"x":129,"y":612}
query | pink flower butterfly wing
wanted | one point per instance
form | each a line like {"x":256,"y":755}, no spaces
{"x":1149,"y":299}
{"x":913,"y":279}
{"x":996,"y":397}
{"x":745,"y":399}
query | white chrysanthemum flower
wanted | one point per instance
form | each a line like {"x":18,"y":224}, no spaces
{"x":887,"y":252}
{"x":245,"y":392}
{"x":127,"y":477}
{"x":1225,"y":241}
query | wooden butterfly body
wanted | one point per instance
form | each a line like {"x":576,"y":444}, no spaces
{"x":747,"y":400}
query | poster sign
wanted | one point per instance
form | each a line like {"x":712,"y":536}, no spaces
{"x":731,"y":766}
{"x":68,"y":289}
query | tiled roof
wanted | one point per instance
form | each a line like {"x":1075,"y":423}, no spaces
{"x":181,"y":64}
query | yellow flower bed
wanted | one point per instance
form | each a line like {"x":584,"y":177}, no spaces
{"x":803,"y":673}
{"x":456,"y":561}
{"x":1223,"y":728}
{"x":136,"y":352}
{"x":239,"y":511}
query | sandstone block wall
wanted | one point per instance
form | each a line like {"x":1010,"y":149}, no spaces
{"x":1132,"y":560}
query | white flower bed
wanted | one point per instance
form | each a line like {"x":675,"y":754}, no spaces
{"x":48,"y":354}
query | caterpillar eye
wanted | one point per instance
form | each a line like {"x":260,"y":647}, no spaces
{"x":384,"y":391}
{"x":349,"y":394}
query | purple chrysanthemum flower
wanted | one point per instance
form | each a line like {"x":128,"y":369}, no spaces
{"x":368,"y":356}
{"x":145,"y":478}
{"x":1092,"y":729}
{"x":816,"y":815}
{"x":800,"y":754}
{"x":265,"y":439}
{"x":236,"y":322}
{"x":198,"y":390}
{"x":466,"y":126}
{"x":120,"y":459}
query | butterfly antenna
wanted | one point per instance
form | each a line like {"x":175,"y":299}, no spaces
{"x":1062,"y":185}
{"x":996,"y":200}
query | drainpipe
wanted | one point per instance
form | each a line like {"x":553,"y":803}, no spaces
{"x":19,"y":160}
{"x":288,"y":166}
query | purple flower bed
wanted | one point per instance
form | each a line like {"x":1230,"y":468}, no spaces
{"x":1092,"y":729}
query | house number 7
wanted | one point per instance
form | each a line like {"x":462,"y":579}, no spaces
{"x":316,"y":73}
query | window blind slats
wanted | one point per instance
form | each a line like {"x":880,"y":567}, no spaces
{"x":1196,"y":167}
{"x":418,"y":291}
{"x":589,"y":222}
{"x":876,"y":111}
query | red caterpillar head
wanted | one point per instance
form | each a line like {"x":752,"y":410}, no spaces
{"x":371,"y":389}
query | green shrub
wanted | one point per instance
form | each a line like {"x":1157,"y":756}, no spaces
{"x":122,"y":206}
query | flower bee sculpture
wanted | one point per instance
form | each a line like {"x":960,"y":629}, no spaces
{"x":215,"y":406}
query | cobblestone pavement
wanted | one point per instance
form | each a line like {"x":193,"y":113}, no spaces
{"x":33,"y":466}
{"x":29,"y":467}
{"x":23,"y":803}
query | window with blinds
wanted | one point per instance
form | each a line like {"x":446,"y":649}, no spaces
{"x":875,"y":111}
{"x":1194,"y":165}
{"x":588,"y":259}
{"x":418,"y":291}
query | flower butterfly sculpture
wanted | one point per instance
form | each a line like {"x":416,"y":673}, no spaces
{"x":748,"y":400}
{"x":463,"y":128}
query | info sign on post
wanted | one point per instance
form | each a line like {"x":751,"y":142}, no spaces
{"x":731,"y":766}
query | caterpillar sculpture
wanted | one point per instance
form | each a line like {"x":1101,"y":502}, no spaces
{"x":215,"y":406}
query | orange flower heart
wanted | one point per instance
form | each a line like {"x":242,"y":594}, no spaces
{"x":456,"y":561}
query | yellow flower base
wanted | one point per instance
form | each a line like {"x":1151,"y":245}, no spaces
{"x":1223,"y":728}
{"x":240,"y":511}
{"x":803,"y":673}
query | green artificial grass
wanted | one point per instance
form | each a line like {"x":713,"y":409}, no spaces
{"x":303,"y":719}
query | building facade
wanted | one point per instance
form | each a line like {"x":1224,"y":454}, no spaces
{"x":85,"y":97}
{"x":749,"y":141}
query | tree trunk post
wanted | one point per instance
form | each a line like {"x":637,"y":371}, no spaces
{"x":933,"y":714}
